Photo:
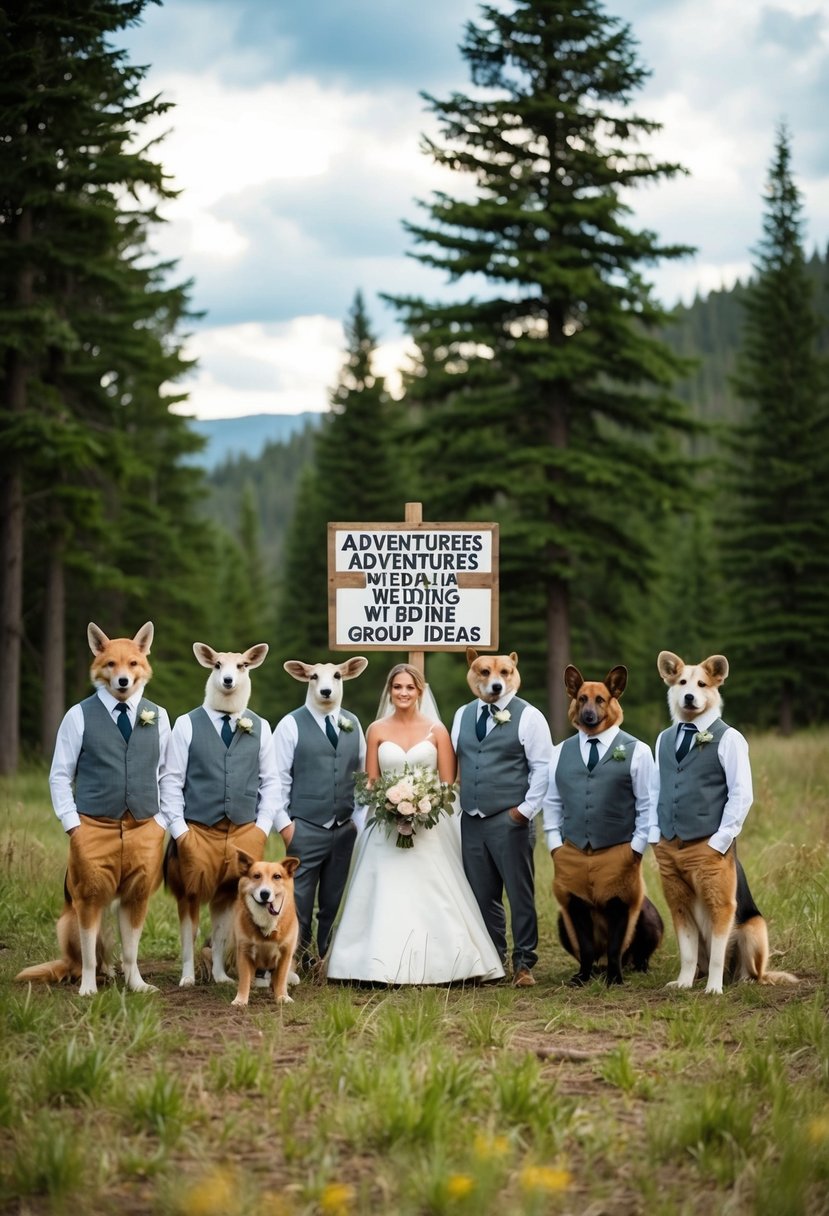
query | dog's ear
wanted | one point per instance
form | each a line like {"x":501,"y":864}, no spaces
{"x":717,"y":667}
{"x":351,"y":668}
{"x":572,"y":680}
{"x":617,"y":680}
{"x":513,"y":658}
{"x":255,"y":656}
{"x":289,"y":865}
{"x":245,"y":861}
{"x":205,"y":654}
{"x":144,"y":638}
{"x":96,"y":637}
{"x":471,"y":655}
{"x":300,"y":671}
{"x":669,"y":666}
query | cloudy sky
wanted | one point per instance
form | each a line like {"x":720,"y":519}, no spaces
{"x":295,"y":143}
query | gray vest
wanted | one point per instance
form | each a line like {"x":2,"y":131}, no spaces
{"x":494,"y":770}
{"x":113,"y":776}
{"x":693,"y":793}
{"x":599,"y":808}
{"x":323,"y":776}
{"x":221,"y":782}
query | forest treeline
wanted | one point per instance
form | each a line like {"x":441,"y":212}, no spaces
{"x":660,"y":481}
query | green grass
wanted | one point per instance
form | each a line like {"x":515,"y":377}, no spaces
{"x":485,"y":1100}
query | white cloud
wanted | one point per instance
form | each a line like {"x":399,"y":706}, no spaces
{"x":294,"y":185}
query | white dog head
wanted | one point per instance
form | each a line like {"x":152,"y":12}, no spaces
{"x":325,"y":680}
{"x":228,"y":685}
{"x":692,"y":688}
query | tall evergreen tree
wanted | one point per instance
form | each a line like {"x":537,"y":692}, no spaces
{"x":89,"y":447}
{"x":547,"y":402}
{"x":777,"y":549}
{"x":358,"y":475}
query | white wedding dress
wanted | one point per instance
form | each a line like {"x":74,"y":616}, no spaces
{"x":409,"y":915}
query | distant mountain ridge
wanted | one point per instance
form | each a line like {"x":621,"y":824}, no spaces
{"x":230,"y":438}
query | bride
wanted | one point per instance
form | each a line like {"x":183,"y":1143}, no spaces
{"x":409,"y":915}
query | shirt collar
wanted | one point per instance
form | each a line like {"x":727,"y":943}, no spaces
{"x":110,"y":702}
{"x":500,"y":703}
{"x":319,"y":715}
{"x":216,"y":715}
{"x":605,"y":737}
{"x":702,"y":722}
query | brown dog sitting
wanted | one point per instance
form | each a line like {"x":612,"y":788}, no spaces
{"x":598,"y":821}
{"x":266,"y":928}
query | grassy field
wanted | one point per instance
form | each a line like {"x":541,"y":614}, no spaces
{"x":479,"y":1100}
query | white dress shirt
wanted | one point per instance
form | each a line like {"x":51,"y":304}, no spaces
{"x":732,"y":753}
{"x":645,"y":827}
{"x":533,"y":735}
{"x":68,"y":746}
{"x":285,"y":739}
{"x":174,"y":772}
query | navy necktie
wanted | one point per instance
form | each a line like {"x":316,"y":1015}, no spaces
{"x":593,"y":758}
{"x":227,"y":733}
{"x":689,"y":730}
{"x":124,"y":724}
{"x":333,"y":737}
{"x":480,"y":725}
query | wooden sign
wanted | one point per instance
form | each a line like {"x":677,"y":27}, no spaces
{"x":412,"y":586}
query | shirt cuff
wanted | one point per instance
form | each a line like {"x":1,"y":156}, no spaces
{"x":554,"y":840}
{"x":178,"y":827}
{"x":281,"y":820}
{"x":70,"y":820}
{"x":721,"y":841}
{"x":264,"y":823}
{"x":639,"y":844}
{"x":527,"y":811}
{"x":160,"y":820}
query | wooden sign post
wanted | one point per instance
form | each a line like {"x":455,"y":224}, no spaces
{"x":412,"y":586}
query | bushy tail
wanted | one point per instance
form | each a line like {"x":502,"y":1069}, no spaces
{"x":779,"y":977}
{"x":53,"y":972}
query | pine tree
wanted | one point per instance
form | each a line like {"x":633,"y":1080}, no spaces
{"x":548,"y":402}
{"x":87,"y":339}
{"x":356,"y":477}
{"x":777,"y":549}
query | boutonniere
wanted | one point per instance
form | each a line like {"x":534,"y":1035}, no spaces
{"x":345,"y":724}
{"x":147,"y":717}
{"x":245,"y":724}
{"x":618,"y":752}
{"x":501,"y":717}
{"x":703,"y":736}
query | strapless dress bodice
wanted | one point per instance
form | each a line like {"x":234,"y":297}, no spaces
{"x":392,"y":757}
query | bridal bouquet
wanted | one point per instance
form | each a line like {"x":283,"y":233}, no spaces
{"x":404,"y":802}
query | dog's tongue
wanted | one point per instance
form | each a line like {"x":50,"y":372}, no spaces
{"x":273,"y":911}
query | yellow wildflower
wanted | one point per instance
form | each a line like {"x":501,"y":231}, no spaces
{"x":487,"y":1147}
{"x":818,"y":1130}
{"x":336,"y":1198}
{"x":458,"y":1186}
{"x":215,"y":1195}
{"x":545,"y":1178}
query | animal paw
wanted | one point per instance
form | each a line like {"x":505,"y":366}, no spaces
{"x":715,"y":988}
{"x":87,"y":989}
{"x":240,"y":1002}
{"x":285,"y":1000}
{"x":187,"y":981}
{"x":680,"y":983}
{"x":293,"y":978}
{"x":142,"y":986}
{"x":222,"y":978}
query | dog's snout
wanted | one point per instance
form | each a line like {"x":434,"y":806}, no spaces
{"x":689,"y":699}
{"x":325,"y":693}
{"x":228,"y":681}
{"x":264,"y":895}
{"x":123,"y":681}
{"x":589,"y":717}
{"x":497,"y":686}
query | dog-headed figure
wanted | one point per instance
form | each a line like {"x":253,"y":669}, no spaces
{"x":504,"y":749}
{"x":703,"y":795}
{"x":104,"y":787}
{"x":319,"y":747}
{"x":598,"y":821}
{"x":218,"y":795}
{"x":265,"y":927}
